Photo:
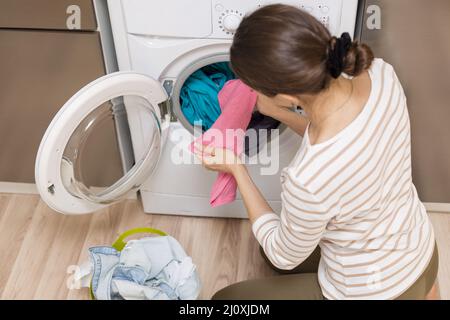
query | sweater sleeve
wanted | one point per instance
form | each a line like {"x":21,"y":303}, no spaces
{"x":288,"y":239}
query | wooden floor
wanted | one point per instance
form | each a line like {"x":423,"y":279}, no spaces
{"x":38,"y":246}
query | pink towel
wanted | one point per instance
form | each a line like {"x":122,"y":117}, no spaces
{"x":237,"y":101}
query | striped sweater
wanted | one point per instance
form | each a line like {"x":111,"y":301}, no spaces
{"x":353,"y":196}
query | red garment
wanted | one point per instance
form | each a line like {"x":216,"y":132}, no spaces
{"x":237,"y":102}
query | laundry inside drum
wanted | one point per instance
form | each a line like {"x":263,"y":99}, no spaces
{"x":200,"y":106}
{"x":198,"y":96}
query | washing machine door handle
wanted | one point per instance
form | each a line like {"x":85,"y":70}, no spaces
{"x":60,"y":169}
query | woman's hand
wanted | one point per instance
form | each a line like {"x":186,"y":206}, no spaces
{"x":225,"y":160}
{"x":217,"y":159}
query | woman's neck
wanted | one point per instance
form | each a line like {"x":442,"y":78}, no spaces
{"x":321,"y":106}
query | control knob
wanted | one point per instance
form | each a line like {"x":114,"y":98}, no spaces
{"x":231,"y":22}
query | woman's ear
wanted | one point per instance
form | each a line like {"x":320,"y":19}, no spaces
{"x":288,"y":100}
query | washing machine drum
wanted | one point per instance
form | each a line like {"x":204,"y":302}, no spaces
{"x":199,"y":94}
{"x":199,"y":102}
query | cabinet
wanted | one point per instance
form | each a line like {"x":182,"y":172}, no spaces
{"x":414,"y":39}
{"x":42,"y":64}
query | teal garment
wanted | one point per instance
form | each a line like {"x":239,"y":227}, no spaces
{"x":198,"y":96}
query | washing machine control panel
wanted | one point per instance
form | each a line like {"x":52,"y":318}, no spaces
{"x":227,"y":14}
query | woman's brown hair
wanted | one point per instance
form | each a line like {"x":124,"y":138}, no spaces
{"x":282,"y":49}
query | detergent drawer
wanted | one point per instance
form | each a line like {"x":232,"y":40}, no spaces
{"x":168,"y":18}
{"x":48,"y":14}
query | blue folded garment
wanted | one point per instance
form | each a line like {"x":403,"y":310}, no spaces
{"x":198,"y":97}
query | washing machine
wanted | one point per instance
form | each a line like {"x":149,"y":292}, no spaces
{"x":158,"y":45}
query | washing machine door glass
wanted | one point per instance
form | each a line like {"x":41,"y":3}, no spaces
{"x":79,"y":166}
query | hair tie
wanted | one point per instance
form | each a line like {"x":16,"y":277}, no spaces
{"x":337,"y":54}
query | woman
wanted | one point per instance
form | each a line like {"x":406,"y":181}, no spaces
{"x":352,"y":225}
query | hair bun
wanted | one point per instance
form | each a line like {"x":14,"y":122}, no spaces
{"x":358,"y":59}
{"x":350,"y":57}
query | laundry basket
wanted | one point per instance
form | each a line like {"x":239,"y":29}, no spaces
{"x":120,"y":243}
{"x":169,"y":289}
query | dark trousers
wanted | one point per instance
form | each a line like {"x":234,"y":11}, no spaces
{"x":301,"y":283}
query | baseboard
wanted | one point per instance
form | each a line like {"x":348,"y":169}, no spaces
{"x":30,"y":188}
{"x":433,"y":207}
{"x":17,"y":187}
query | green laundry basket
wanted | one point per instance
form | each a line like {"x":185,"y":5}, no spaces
{"x":120,"y":243}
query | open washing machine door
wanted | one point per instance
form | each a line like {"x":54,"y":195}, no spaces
{"x":61,"y":179}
